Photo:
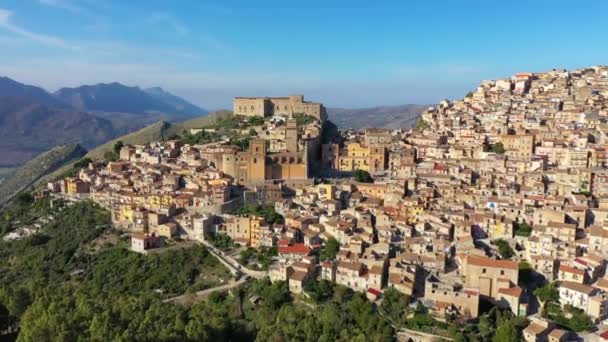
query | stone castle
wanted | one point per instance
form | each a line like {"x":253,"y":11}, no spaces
{"x":284,"y":106}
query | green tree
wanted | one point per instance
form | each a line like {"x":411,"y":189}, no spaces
{"x":363,"y":176}
{"x":522,"y":229}
{"x":394,"y":304}
{"x":497,"y":148}
{"x":504,"y":249}
{"x":117,"y":146}
{"x":547,"y":293}
{"x":421,"y":125}
{"x":330,"y":250}
{"x":506,"y":332}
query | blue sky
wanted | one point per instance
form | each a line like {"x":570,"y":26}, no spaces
{"x":343,"y":53}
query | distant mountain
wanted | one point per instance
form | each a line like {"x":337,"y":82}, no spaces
{"x":33,"y":120}
{"x":28,"y":128}
{"x":175,"y":101}
{"x":116,"y":97}
{"x":12,"y":88}
{"x":403,"y":116}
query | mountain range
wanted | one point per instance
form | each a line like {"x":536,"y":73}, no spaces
{"x":115,"y":97}
{"x":403,"y":116}
{"x":33,"y":120}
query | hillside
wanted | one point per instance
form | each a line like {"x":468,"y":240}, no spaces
{"x":28,"y":128}
{"x":115,"y":97}
{"x":36,"y":168}
{"x":158,"y":131}
{"x":380,"y":117}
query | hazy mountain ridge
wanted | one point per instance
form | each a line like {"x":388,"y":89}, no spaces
{"x":33,"y":120}
{"x":403,"y":116}
{"x":116,"y":97}
{"x":12,"y":88}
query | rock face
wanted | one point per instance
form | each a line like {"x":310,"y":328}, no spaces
{"x":36,"y":168}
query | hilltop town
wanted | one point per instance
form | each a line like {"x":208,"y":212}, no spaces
{"x":498,"y":199}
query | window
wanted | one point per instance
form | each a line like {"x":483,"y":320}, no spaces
{"x":483,"y":270}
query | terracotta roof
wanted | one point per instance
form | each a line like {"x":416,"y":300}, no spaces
{"x":568,"y":269}
{"x":298,"y":248}
{"x":487,"y":262}
{"x":298,"y":276}
{"x":374,"y":292}
{"x":513,"y":291}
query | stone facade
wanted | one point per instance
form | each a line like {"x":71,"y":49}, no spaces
{"x":284,"y":106}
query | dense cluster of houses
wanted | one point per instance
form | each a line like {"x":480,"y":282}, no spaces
{"x":518,"y":164}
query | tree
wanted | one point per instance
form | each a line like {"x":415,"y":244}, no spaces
{"x":331,"y":248}
{"x":394,"y":304}
{"x":319,"y":291}
{"x":421,"y":124}
{"x":497,"y":148}
{"x":504,"y":249}
{"x":117,"y":146}
{"x":522,"y":229}
{"x":303,"y":119}
{"x":547,"y":293}
{"x":506,"y":332}
{"x":82,"y":163}
{"x":363,"y":176}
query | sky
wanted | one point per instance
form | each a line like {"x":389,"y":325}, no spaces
{"x":342,"y":53}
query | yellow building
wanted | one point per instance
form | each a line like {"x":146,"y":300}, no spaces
{"x":76,"y":186}
{"x":325,"y":191}
{"x":520,"y":145}
{"x":413,"y":212}
{"x":355,"y":156}
{"x":255,"y":223}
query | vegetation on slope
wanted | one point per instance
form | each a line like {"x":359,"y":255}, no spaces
{"x":36,"y":168}
{"x":56,"y":288}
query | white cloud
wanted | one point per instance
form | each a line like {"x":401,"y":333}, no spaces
{"x":164,"y":18}
{"x":6,"y":23}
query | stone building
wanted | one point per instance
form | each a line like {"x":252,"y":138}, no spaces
{"x":256,"y":165}
{"x":284,"y":106}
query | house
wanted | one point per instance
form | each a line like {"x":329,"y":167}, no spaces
{"x":490,"y":275}
{"x":450,"y":298}
{"x":292,"y":251}
{"x":538,"y":330}
{"x":584,"y":297}
{"x":296,"y":281}
{"x":142,"y":242}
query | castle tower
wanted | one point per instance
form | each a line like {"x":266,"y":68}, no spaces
{"x":257,"y":161}
{"x":291,"y":135}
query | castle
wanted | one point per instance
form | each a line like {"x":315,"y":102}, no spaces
{"x":284,"y":106}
